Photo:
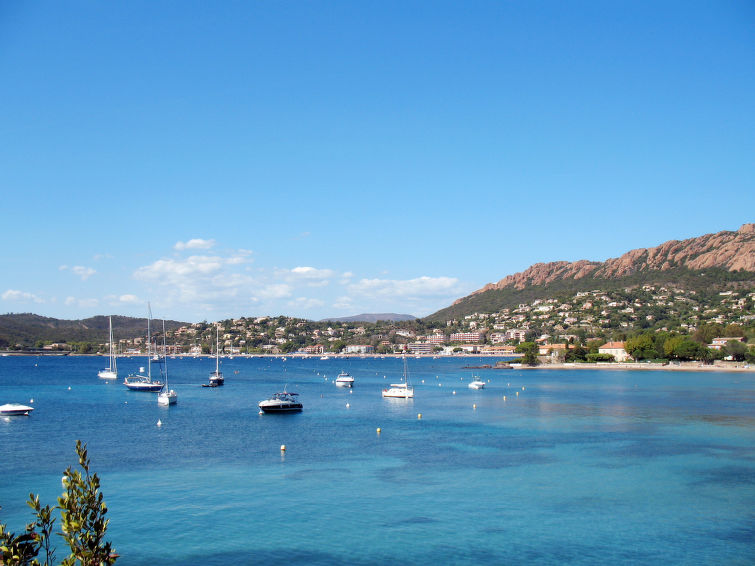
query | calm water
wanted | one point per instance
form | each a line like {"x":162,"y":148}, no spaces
{"x":582,"y":467}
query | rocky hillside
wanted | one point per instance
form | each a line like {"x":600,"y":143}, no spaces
{"x":724,"y":257}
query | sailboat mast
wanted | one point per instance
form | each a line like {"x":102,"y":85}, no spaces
{"x":149,"y":342}
{"x":217,"y":350}
{"x":165,"y":357}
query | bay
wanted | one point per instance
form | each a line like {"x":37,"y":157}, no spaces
{"x":574,"y":466}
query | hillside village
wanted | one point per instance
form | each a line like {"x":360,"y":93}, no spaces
{"x":600,"y":321}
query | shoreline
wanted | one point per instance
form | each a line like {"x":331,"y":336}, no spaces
{"x":740,"y":367}
{"x":684,"y":366}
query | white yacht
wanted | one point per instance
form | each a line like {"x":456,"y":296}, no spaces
{"x":110,"y":372}
{"x":14,"y":409}
{"x":281,"y":403}
{"x":400,"y":390}
{"x":476,"y":383}
{"x":216,"y":377}
{"x":142,"y":381}
{"x":166,"y":396}
{"x":344,"y":380}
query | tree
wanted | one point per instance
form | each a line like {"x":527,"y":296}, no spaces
{"x":530,"y":351}
{"x":83,"y":524}
{"x":578,"y":354}
{"x":736,"y":349}
{"x":682,"y":348}
{"x":640,"y":347}
{"x":734,"y":331}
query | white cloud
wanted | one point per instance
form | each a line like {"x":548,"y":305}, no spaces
{"x":85,"y":303}
{"x":311,"y":273}
{"x":195,"y":244}
{"x":129,"y":299}
{"x":419,"y":287}
{"x":305,"y":303}
{"x":274,"y":291}
{"x":14,"y":295}
{"x":83,"y":272}
{"x":343,"y":303}
{"x":195,"y":265}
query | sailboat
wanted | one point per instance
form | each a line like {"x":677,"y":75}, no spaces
{"x":400,"y":390}
{"x":140,"y":381}
{"x":216,"y":377}
{"x":166,"y":396}
{"x":110,"y":372}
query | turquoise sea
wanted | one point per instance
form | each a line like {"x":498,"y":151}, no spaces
{"x":581,"y":467}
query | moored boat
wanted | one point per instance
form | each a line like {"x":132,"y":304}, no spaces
{"x":142,"y":381}
{"x":166,"y":396}
{"x":344,"y":380}
{"x":283,"y":402}
{"x":216,"y":377}
{"x":15,"y":409}
{"x":476,"y":383}
{"x":400,"y":390}
{"x":110,"y":372}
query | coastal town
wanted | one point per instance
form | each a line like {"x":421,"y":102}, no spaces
{"x":596,"y":324}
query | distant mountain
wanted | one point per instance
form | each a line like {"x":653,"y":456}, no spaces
{"x":27,"y":329}
{"x":371,"y":317}
{"x":712,"y":261}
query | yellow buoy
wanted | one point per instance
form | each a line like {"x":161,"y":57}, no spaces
{"x":517,"y":393}
{"x":378,"y":430}
{"x":419,"y":415}
{"x":474,"y":406}
{"x":504,"y":397}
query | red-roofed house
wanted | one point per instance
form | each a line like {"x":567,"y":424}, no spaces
{"x":616,"y":349}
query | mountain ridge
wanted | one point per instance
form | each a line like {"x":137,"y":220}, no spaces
{"x":722,"y":256}
{"x":371,"y":317}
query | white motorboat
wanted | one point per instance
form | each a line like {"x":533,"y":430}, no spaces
{"x":400,"y":390}
{"x":216,"y":377}
{"x":344,"y":380}
{"x":14,"y":409}
{"x":142,"y":381}
{"x":110,"y":372}
{"x":166,"y":396}
{"x":281,"y":403}
{"x":476,"y":384}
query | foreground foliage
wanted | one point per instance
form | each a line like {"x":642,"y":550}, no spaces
{"x":83,"y":524}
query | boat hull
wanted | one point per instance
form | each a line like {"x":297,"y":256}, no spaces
{"x":169,"y":398}
{"x":281,"y":408}
{"x":15,"y":410}
{"x":107,"y":374}
{"x":399,"y":393}
{"x":148,"y":386}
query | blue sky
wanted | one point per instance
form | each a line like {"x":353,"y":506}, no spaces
{"x":330,"y":158}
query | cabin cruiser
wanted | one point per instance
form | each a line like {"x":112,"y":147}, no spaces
{"x":14,"y":409}
{"x":476,"y":384}
{"x":344,"y":380}
{"x":281,"y":403}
